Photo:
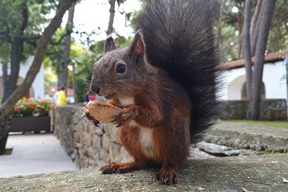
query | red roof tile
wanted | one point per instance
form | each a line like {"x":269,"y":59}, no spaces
{"x":272,"y":57}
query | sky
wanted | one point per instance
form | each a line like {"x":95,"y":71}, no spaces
{"x":91,"y":14}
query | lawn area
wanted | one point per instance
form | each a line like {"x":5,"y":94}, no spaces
{"x":268,"y":123}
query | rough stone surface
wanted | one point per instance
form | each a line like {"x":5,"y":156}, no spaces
{"x":271,"y":109}
{"x":217,"y":149}
{"x":229,"y":174}
{"x":196,"y":153}
{"x":247,"y":136}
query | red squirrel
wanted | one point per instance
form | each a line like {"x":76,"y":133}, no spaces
{"x":165,"y":81}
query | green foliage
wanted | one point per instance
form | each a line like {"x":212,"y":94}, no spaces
{"x":54,"y":56}
{"x":278,"y":36}
{"x":11,"y":20}
{"x":50,"y":78}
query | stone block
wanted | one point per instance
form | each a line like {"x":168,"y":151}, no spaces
{"x":104,"y":155}
{"x":76,"y":137}
{"x":105,"y":127}
{"x":106,"y":141}
{"x":93,"y":153}
{"x":84,"y":151}
{"x":217,"y":149}
{"x":87,"y":139}
{"x":95,"y":130}
{"x":78,"y":145}
{"x":112,"y":131}
{"x":125,"y":156}
{"x":114,"y":152}
{"x":96,"y":142}
{"x":99,"y":163}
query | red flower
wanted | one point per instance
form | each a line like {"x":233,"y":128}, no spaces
{"x":17,"y":110}
{"x":32,"y":107}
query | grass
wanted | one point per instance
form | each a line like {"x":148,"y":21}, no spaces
{"x":268,"y":123}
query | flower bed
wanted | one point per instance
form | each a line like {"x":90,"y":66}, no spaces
{"x":31,"y":115}
{"x":32,"y":107}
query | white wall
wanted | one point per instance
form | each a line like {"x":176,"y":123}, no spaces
{"x":275,"y":88}
{"x":38,"y":84}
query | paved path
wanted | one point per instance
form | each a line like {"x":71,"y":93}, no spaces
{"x":34,"y":154}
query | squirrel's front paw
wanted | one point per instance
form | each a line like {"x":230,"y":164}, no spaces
{"x":87,"y":115}
{"x":123,"y":117}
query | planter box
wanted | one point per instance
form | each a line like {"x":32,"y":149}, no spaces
{"x":28,"y":124}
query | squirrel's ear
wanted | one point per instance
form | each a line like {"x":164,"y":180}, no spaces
{"x":109,"y":44}
{"x":137,"y":46}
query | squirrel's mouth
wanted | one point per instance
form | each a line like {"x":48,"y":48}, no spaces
{"x":110,"y":96}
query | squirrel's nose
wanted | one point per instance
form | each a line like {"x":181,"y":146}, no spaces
{"x":94,"y":88}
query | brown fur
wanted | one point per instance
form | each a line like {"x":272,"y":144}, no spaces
{"x":159,"y":104}
{"x":167,"y":92}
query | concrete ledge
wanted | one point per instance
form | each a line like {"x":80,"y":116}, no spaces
{"x":247,"y":136}
{"x":255,"y":173}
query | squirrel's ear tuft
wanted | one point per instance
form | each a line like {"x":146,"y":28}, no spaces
{"x":109,"y":44}
{"x":137,"y":46}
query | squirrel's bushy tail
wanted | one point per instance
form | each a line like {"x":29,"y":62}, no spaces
{"x":179,"y":38}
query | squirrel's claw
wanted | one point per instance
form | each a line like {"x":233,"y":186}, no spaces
{"x":90,"y":118}
{"x":167,"y":177}
{"x":123,"y":117}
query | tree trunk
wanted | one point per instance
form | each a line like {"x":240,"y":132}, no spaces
{"x":4,"y":133}
{"x":255,"y":35}
{"x":4,"y":74}
{"x":255,"y":16}
{"x":240,"y":34}
{"x":111,"y":18}
{"x":44,"y":40}
{"x":246,"y":46}
{"x":10,"y":83}
{"x":266,"y":18}
{"x":74,"y":82}
{"x":63,"y":75}
{"x":219,"y":39}
{"x":16,"y":53}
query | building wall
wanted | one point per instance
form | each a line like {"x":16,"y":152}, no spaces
{"x":37,"y":89}
{"x":275,"y":85}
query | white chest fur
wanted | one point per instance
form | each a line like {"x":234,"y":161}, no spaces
{"x":146,"y":141}
{"x":145,"y":134}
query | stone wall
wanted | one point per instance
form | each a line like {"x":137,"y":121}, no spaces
{"x":88,"y":145}
{"x":92,"y":146}
{"x":271,"y":109}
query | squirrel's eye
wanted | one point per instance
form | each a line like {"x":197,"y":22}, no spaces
{"x":120,"y":68}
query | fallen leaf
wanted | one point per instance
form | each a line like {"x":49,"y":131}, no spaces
{"x":245,"y":190}
{"x":198,"y":188}
{"x":285,"y":180}
{"x":138,"y":189}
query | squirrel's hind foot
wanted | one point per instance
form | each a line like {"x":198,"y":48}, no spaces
{"x":118,"y":167}
{"x":167,"y":176}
